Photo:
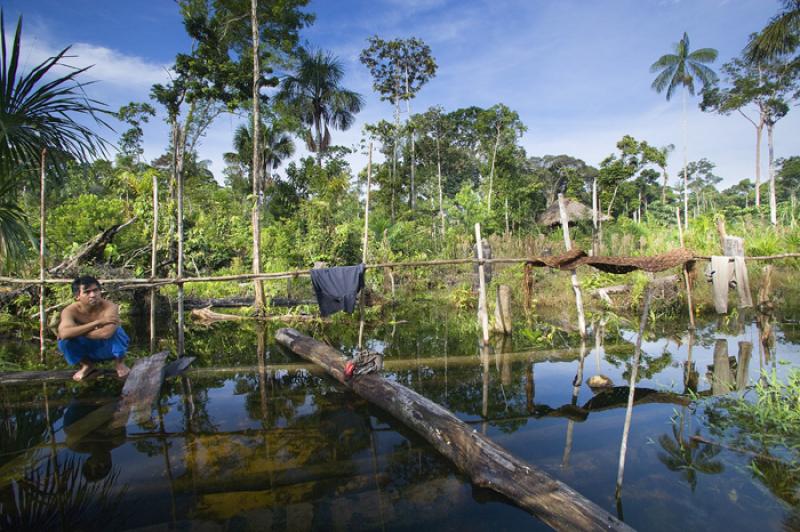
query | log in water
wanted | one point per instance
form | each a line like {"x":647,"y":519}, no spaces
{"x":485,"y":462}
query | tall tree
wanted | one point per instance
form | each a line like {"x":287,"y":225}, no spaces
{"x":682,"y":69}
{"x":399,"y":69}
{"x":238,"y":43}
{"x":316,"y":93}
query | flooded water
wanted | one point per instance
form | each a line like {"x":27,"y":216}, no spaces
{"x":253,"y":438}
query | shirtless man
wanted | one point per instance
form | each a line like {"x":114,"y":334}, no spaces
{"x":90,"y":331}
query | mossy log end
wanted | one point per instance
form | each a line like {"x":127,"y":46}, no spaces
{"x":485,"y":462}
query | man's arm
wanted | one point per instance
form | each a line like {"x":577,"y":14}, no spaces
{"x":107,"y":323}
{"x":103,"y":327}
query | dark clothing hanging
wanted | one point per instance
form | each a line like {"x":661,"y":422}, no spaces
{"x":337,"y":288}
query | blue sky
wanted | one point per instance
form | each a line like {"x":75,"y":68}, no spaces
{"x":577,"y":71}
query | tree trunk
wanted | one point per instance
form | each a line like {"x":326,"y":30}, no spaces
{"x":491,"y":171}
{"x":256,"y":215}
{"x":439,"y":175}
{"x":154,"y":263}
{"x":685,"y":164}
{"x":773,"y":206}
{"x":576,"y":286}
{"x":42,"y":234}
{"x":759,"y":133}
{"x":413,"y":199}
{"x":485,"y":462}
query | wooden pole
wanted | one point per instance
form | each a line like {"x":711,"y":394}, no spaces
{"x":260,"y":299}
{"x":502,"y":310}
{"x":483,"y":313}
{"x":154,"y":264}
{"x":42,"y":234}
{"x":687,"y":281}
{"x":179,"y":273}
{"x":366,"y":206}
{"x":576,"y":286}
{"x":623,"y":448}
{"x":486,"y":463}
{"x":364,"y":250}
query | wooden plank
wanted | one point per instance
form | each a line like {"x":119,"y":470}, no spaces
{"x":142,"y":387}
{"x":485,"y":462}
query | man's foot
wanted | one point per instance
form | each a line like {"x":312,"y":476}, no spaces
{"x":83,"y":373}
{"x":122,"y":369}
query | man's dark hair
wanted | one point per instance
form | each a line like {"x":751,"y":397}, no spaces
{"x":85,"y":281}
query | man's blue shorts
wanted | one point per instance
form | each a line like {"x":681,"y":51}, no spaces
{"x":76,"y":349}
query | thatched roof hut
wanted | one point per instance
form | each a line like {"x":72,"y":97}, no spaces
{"x":576,"y":212}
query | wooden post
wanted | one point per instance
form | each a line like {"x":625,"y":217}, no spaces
{"x":623,"y":448}
{"x":483,"y":315}
{"x":154,"y":263}
{"x":743,"y":364}
{"x":765,"y":289}
{"x":576,"y":286}
{"x":42,"y":234}
{"x":722,"y":379}
{"x":179,"y":273}
{"x":528,"y":286}
{"x":366,"y":206}
{"x":502,"y":310}
{"x":686,"y":280}
{"x":364,"y":250}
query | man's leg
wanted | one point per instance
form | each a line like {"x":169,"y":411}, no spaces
{"x":119,"y":348}
{"x":75,"y":351}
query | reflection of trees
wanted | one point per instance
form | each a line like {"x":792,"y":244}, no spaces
{"x":58,"y":496}
{"x":688,"y":456}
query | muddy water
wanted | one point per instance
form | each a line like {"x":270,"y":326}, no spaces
{"x":255,"y":439}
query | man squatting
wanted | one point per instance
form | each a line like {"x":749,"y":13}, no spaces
{"x":90,"y":332}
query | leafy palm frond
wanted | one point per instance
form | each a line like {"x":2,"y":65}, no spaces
{"x":781,"y":36}
{"x":37,"y":111}
{"x":682,"y":68}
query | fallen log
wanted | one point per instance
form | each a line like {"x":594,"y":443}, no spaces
{"x":173,"y":369}
{"x":90,"y":250}
{"x":485,"y":462}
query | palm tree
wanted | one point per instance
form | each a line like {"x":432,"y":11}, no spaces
{"x":680,"y":70}
{"x":276,"y":146}
{"x":779,"y":37}
{"x":315,"y":91}
{"x":36,"y":113}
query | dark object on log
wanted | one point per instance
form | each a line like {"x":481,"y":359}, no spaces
{"x":486,"y":463}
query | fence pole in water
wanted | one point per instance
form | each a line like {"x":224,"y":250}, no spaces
{"x":631,"y":389}
{"x":179,"y":273}
{"x":576,"y":286}
{"x":42,"y":219}
{"x":364,"y":251}
{"x":483,"y":314}
{"x":686,"y":279}
{"x":153,"y":264}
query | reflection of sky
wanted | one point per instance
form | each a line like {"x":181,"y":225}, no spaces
{"x":653,"y":496}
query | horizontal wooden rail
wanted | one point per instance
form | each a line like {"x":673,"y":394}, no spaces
{"x":131,"y":283}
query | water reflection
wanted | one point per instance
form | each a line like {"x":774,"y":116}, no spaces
{"x":253,"y":437}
